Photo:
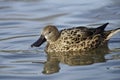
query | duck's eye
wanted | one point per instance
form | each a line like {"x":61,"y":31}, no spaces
{"x":49,"y":32}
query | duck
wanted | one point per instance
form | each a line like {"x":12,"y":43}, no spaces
{"x":79,"y":38}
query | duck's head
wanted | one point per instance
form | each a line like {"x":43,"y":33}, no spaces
{"x":50,"y":34}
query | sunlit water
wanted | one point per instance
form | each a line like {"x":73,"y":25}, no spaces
{"x":21,"y":22}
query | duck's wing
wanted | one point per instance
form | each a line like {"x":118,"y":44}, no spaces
{"x":75,"y":32}
{"x":81,"y":33}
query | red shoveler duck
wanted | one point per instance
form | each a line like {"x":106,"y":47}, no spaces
{"x":74,"y":39}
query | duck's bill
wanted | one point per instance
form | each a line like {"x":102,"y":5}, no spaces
{"x":39,"y":42}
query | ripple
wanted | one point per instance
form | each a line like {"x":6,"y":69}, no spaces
{"x":45,"y":18}
{"x":17,"y":37}
{"x":115,"y":40}
{"x":22,"y":51}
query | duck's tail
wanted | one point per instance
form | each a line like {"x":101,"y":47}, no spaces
{"x":100,"y":29}
{"x":110,"y":33}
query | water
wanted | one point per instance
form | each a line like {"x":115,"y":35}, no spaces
{"x":21,"y":22}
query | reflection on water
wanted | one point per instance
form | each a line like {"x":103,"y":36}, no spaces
{"x":74,"y":59}
{"x":21,"y":22}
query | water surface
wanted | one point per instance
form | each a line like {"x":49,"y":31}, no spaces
{"x":21,"y":22}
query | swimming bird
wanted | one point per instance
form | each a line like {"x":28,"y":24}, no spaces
{"x":74,"y":39}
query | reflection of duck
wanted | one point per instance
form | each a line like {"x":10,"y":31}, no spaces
{"x":74,"y":39}
{"x":73,"y":59}
{"x":51,"y":66}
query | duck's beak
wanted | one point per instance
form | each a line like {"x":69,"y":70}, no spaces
{"x":40,"y":41}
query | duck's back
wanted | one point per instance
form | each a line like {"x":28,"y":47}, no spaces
{"x":76,"y":34}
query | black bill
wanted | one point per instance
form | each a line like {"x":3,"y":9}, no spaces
{"x":40,"y":41}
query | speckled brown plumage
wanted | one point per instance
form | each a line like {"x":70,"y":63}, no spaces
{"x":74,"y":39}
